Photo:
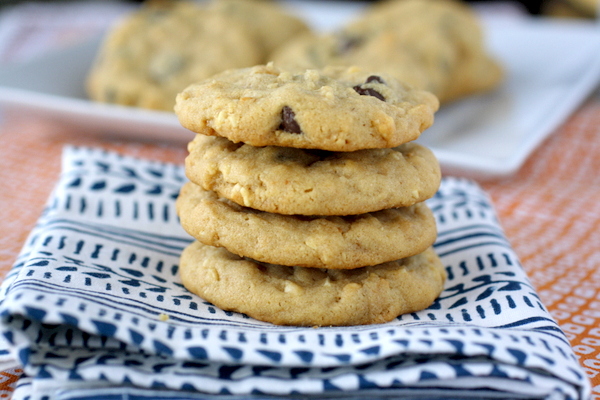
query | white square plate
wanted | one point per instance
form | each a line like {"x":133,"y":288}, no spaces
{"x":552,"y":66}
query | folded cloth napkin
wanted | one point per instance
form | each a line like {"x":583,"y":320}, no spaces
{"x":94,"y":308}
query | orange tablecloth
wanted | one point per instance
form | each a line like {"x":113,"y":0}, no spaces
{"x":550,"y":211}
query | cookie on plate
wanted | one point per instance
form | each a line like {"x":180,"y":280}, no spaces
{"x":335,"y":109}
{"x":436,"y":45}
{"x":470,"y":68}
{"x":267,"y":20}
{"x":306,"y":241}
{"x":287,"y":180}
{"x":158,"y":50}
{"x":312,"y":297}
{"x":379,"y":52}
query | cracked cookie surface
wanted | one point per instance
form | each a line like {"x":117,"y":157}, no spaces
{"x":308,"y":296}
{"x":306,"y":241}
{"x":335,"y":109}
{"x":287,"y":180}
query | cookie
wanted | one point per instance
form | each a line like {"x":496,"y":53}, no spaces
{"x":306,"y":241}
{"x":571,"y":8}
{"x":308,"y":296}
{"x":158,"y":50}
{"x":287,"y":180}
{"x":378,"y":52}
{"x":458,"y":42}
{"x":335,"y":109}
{"x":436,"y":45}
{"x":270,"y":23}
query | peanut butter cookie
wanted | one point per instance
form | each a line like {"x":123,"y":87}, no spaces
{"x":309,"y":296}
{"x":306,"y":241}
{"x":287,"y":180}
{"x":335,"y":109}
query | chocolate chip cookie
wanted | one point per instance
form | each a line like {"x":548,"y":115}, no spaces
{"x":334,"y":109}
{"x":158,"y":50}
{"x":436,"y":45}
{"x":267,"y":20}
{"x":456,"y":42}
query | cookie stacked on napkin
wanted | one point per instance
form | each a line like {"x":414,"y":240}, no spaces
{"x":306,"y":196}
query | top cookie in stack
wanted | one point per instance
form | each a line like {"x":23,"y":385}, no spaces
{"x":334,"y":109}
{"x":306,"y":196}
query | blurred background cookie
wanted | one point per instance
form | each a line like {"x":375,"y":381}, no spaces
{"x":271,"y":25}
{"x":154,"y":53}
{"x":435,"y":45}
{"x":572,"y":8}
{"x":158,"y":50}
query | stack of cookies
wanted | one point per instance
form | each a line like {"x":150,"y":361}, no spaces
{"x":306,"y":196}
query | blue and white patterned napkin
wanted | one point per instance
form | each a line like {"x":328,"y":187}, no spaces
{"x":94,"y":308}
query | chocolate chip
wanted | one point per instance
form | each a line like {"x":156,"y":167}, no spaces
{"x":368,"y":92}
{"x":374,"y":78}
{"x":110,"y":95}
{"x":316,"y":155}
{"x":288,"y":121}
{"x":346,"y":43}
{"x":261,"y":267}
{"x":322,"y":154}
